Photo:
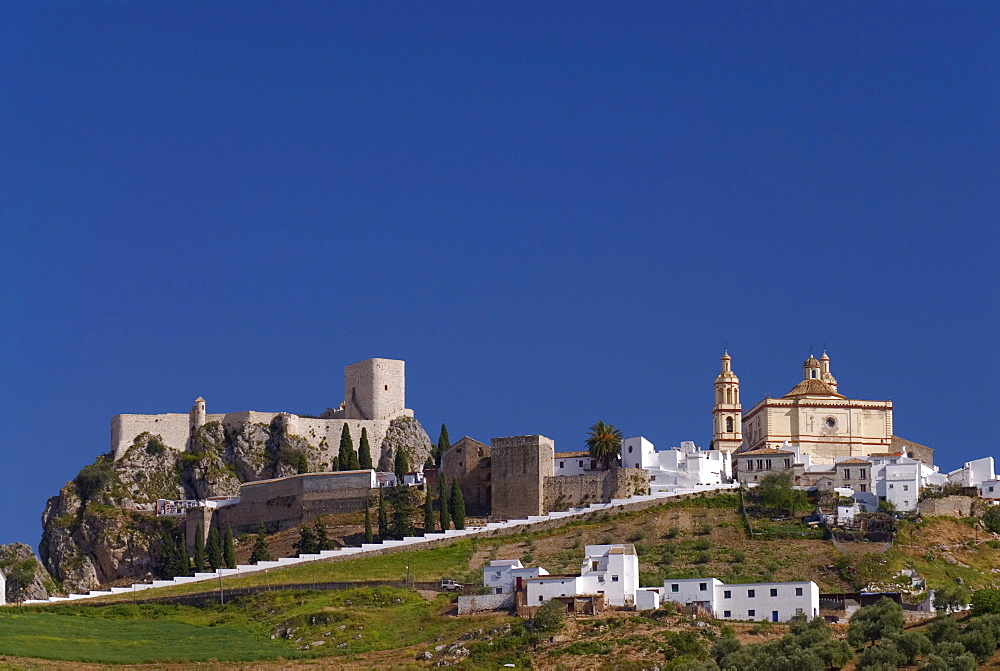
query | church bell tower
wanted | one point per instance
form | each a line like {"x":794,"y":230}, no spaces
{"x":727,"y":414}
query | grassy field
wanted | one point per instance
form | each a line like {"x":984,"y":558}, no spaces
{"x":266,"y":626}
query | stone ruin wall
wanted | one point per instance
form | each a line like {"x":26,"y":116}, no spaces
{"x":563,"y":492}
{"x":284,"y":503}
{"x":174,"y":429}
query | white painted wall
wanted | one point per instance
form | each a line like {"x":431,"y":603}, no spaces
{"x":774,"y":602}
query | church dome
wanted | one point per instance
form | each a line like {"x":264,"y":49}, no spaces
{"x":811,"y":362}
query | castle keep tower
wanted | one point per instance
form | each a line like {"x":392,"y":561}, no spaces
{"x":727,"y":414}
{"x":374,"y":389}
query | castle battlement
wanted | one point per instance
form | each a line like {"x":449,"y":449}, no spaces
{"x":374,"y":395}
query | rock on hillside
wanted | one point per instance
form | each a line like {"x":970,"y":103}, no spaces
{"x":405,"y":433}
{"x":26,"y":577}
{"x":98,"y":529}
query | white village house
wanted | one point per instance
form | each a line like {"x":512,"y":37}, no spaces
{"x":684,"y":466}
{"x":505,"y":576}
{"x":772,"y":601}
{"x":611,"y":570}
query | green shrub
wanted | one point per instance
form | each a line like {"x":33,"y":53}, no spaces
{"x":550,"y":616}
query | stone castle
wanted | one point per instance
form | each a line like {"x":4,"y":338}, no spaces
{"x":374,"y":396}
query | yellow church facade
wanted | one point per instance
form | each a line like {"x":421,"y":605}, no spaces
{"x":814,"y":415}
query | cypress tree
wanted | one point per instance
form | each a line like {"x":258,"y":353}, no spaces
{"x":364,"y":451}
{"x":199,"y":549}
{"x":400,"y":465}
{"x":335,"y":464}
{"x":214,"y":549}
{"x":167,"y":566}
{"x":428,"y":513}
{"x":319,"y":533}
{"x":383,"y":518}
{"x":457,"y":505}
{"x":183,"y":557}
{"x":347,"y":457}
{"x":401,"y":518}
{"x":261,"y":552}
{"x":229,"y":548}
{"x":443,"y":504}
{"x":307,"y":541}
{"x":369,"y":537}
{"x":443,"y":445}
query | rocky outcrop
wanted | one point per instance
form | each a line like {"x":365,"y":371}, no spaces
{"x":406,"y":434}
{"x":99,"y":529}
{"x":26,"y":577}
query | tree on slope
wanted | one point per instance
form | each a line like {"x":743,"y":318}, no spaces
{"x":383,"y":516}
{"x":364,"y":451}
{"x":443,"y":445}
{"x":869,"y":624}
{"x":456,"y":506}
{"x":604,"y":443}
{"x":199,"y":549}
{"x":369,"y":536}
{"x":347,"y":458}
{"x":428,"y":513}
{"x":214,"y":549}
{"x":307,"y":540}
{"x":445,"y":516}
{"x":229,"y":548}
{"x":261,"y":551}
{"x":322,"y":538}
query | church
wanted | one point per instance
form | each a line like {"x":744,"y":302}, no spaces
{"x":813,"y":415}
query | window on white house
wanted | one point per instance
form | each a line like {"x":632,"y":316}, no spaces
{"x":581,"y":463}
{"x":751,"y":593}
{"x":863,"y":473}
{"x":703,"y":586}
{"x":906,"y":488}
{"x":614,"y":578}
{"x":751,"y":613}
{"x":540,"y":597}
{"x":798,"y":611}
{"x":847,"y":474}
{"x":727,"y":594}
{"x":562,"y":464}
{"x":774,"y":592}
{"x":727,"y":613}
{"x":675,"y":588}
{"x":798,"y":591}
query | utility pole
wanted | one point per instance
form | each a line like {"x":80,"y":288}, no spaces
{"x":222,"y":595}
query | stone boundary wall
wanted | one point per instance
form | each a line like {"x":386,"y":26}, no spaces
{"x":953,"y":506}
{"x":571,"y":491}
{"x":480,"y":603}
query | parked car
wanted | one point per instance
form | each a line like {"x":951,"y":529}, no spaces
{"x":451,"y":586}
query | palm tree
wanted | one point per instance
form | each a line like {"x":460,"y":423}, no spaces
{"x":605,"y":443}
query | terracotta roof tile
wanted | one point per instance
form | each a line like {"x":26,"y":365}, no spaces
{"x":812,"y":387}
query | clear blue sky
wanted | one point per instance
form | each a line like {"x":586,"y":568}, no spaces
{"x":556,"y":213}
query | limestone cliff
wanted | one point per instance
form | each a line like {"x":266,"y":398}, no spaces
{"x":406,"y":434}
{"x":26,"y":577}
{"x":99,"y":530}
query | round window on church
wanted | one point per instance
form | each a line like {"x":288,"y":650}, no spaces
{"x":831,"y":422}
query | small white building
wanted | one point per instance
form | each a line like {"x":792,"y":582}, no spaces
{"x":990,"y":489}
{"x":900,"y":484}
{"x":504,"y":576}
{"x":611,"y":570}
{"x":684,"y":466}
{"x":772,"y":601}
{"x":3,"y":589}
{"x":973,"y":473}
{"x":574,"y":463}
